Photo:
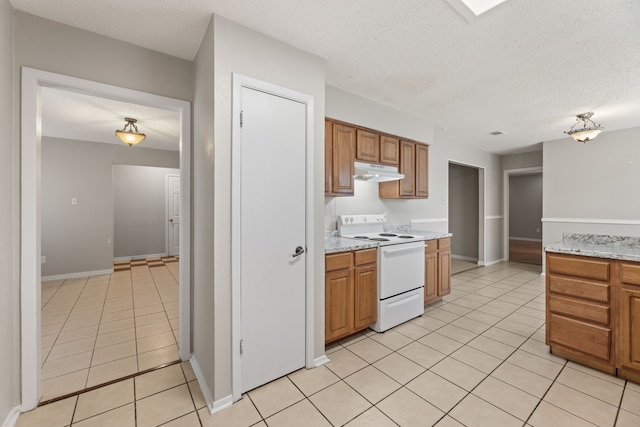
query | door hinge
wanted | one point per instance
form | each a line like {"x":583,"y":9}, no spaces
{"x":241,"y":118}
{"x":241,"y":346}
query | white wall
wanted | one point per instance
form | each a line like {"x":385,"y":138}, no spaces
{"x":592,"y":187}
{"x":9,"y":216}
{"x":426,"y":214}
{"x":237,"y":49}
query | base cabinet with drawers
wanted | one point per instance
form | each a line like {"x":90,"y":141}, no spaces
{"x":437,"y":269}
{"x":593,"y":312}
{"x":350,"y":293}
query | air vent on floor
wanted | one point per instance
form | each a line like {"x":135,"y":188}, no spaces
{"x":497,"y":132}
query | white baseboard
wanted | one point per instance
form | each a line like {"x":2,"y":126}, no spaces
{"x":319,"y":361}
{"x":487,"y":264}
{"x":12,"y":417}
{"x":204,"y":387}
{"x":76,"y":275}
{"x":221,"y":404}
{"x":134,"y":257}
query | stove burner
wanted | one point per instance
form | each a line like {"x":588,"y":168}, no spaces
{"x":405,"y":237}
{"x":379,"y":239}
{"x":360,"y":237}
{"x":388,"y":234}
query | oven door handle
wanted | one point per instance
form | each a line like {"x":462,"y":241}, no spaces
{"x":412,"y":248}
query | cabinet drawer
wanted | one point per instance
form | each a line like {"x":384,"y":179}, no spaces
{"x":578,"y":266}
{"x":366,"y":256}
{"x":581,"y":336}
{"x":337,"y":261}
{"x":581,"y":309}
{"x":444,"y":243}
{"x":430,"y":246}
{"x":630,"y":273}
{"x":584,"y":289}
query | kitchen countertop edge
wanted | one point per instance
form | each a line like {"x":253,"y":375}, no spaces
{"x":623,"y":248}
{"x":335,"y":244}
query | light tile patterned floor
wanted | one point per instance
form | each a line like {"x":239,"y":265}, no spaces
{"x":477,"y":358}
{"x":106,"y":327}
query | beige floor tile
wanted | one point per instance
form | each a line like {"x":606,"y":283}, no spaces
{"x":151,"y":318}
{"x":188,"y":371}
{"x":160,"y":380}
{"x":492,"y":347}
{"x":116,"y":325}
{"x":441,"y":393}
{"x":547,"y":415}
{"x":196,"y":394}
{"x":429,"y":323}
{"x":153,"y":329}
{"x":117,"y":337}
{"x":593,"y":386}
{"x":352,"y":339}
{"x":478,"y":316}
{"x":455,"y":308}
{"x":447,"y":421}
{"x":275,"y":396}
{"x":64,"y":384}
{"x":339,"y":403}
{"x":392,"y":339}
{"x":627,"y":419}
{"x":581,"y":405}
{"x":441,"y":343}
{"x":522,"y":379}
{"x":372,"y":384}
{"x":113,"y":352}
{"x":478,"y":359}
{"x":421,"y":354}
{"x":540,"y":349}
{"x":164,"y":406}
{"x":155,"y":358}
{"x":506,"y":397}
{"x":117,"y":315}
{"x":149,"y":309}
{"x":57,"y":414}
{"x":104,"y":399}
{"x":369,"y":350}
{"x":189,"y":420}
{"x":442,"y":315}
{"x":631,"y":401}
{"x":77,"y":334}
{"x":344,"y":363}
{"x":598,"y":374}
{"x":535,"y":364}
{"x":457,"y":333}
{"x":69,"y":349}
{"x":459,"y":373}
{"x":109,"y":371}
{"x":66,"y":365}
{"x":372,"y":417}
{"x":411,"y":330}
{"x":293,"y":416}
{"x":475,"y":412}
{"x":241,"y":414}
{"x":310,"y":381}
{"x":72,"y":325}
{"x":629,"y":384}
{"x":408,"y":410}
{"x":470,"y":325}
{"x":505,"y":337}
{"x":399,"y":368}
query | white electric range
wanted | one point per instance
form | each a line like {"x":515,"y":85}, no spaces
{"x":400,"y":274}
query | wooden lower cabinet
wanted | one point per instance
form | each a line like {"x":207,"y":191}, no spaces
{"x":350,"y":293}
{"x":629,"y":315}
{"x":437,"y":269}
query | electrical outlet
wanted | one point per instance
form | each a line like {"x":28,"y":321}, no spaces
{"x":537,"y":230}
{"x":43,"y":259}
{"x":74,"y":201}
{"x":109,"y":241}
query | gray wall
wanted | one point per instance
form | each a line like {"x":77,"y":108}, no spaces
{"x":9,"y":216}
{"x":525,"y":206}
{"x":140,"y":210}
{"x":464,"y":211}
{"x":522,"y":160}
{"x":592,"y":187}
{"x":76,"y":238}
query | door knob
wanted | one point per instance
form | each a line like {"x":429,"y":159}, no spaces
{"x":299,"y":251}
{"x":171,"y":220}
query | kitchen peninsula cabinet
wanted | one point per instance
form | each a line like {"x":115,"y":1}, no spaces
{"x":414,"y":164}
{"x":339,"y":151}
{"x":437,"y":266}
{"x":629,"y":321}
{"x":350,"y":292}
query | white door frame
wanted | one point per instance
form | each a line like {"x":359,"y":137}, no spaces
{"x":240,"y":81}
{"x":507,"y":173}
{"x":30,"y":293}
{"x":166,"y":210}
{"x":482,"y":218}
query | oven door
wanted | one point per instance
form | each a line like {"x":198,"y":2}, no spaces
{"x":400,"y":268}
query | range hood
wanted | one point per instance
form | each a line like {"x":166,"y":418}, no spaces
{"x":375,"y":173}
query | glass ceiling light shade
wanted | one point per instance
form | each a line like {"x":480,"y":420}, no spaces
{"x":130,"y":134}
{"x":588,"y":131}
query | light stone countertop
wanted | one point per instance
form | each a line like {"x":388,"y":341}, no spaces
{"x":626,"y":248}
{"x":334,"y":244}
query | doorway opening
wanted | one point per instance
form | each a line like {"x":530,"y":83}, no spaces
{"x":33,"y":83}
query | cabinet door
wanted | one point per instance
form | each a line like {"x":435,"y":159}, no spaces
{"x":408,"y":168}
{"x":444,"y":271}
{"x":422,"y":170}
{"x":338,"y":303}
{"x":344,"y":147}
{"x":389,"y":150}
{"x":366,"y":300}
{"x":328,"y":157}
{"x":368,"y":146}
{"x":430,"y":276}
{"x":630,"y":327}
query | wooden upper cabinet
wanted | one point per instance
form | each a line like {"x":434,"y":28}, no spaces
{"x":389,"y":150}
{"x":408,"y":168}
{"x":367,"y":146}
{"x":422,"y":170}
{"x":414,"y":164}
{"x":340,"y":149}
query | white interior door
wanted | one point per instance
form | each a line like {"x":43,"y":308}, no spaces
{"x":173,"y":214}
{"x":273,"y":218}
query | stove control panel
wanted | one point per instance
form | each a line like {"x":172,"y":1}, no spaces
{"x":362,"y":219}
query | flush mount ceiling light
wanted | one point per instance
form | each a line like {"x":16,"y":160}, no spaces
{"x":588,"y":131}
{"x":130,"y":134}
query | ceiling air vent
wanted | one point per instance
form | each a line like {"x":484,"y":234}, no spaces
{"x":497,"y":132}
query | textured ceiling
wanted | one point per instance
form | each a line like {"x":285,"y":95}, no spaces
{"x":524,"y":67}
